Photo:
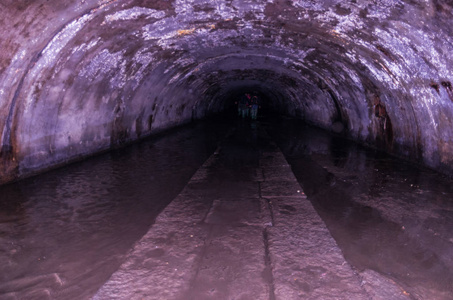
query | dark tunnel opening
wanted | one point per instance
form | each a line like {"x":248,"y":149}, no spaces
{"x":232,"y":99}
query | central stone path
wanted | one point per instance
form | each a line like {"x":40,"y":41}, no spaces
{"x":242,"y":228}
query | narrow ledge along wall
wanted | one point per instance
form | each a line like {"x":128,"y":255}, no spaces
{"x":79,"y":77}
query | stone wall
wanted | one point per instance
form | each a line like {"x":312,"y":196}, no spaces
{"x":79,"y":77}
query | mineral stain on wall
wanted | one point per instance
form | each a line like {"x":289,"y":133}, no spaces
{"x":64,"y":65}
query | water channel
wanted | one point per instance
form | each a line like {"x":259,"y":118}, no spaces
{"x":63,"y":233}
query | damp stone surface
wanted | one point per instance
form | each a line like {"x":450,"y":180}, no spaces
{"x":81,"y":77}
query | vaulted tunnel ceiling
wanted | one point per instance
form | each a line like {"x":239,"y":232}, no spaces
{"x":79,"y":77}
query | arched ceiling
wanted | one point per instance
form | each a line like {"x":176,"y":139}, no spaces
{"x":79,"y":77}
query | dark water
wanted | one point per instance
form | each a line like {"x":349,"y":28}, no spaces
{"x":386,"y":215}
{"x":65,"y":232}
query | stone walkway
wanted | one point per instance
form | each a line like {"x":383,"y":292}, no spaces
{"x":242,"y":228}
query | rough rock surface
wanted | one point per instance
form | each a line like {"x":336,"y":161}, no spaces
{"x":79,"y":77}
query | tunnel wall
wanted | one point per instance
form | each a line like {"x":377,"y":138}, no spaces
{"x":79,"y":77}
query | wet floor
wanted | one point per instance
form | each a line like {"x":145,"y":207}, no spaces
{"x":386,"y":215}
{"x":238,"y":230}
{"x":65,"y":232}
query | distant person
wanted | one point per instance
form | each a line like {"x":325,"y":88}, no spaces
{"x":254,"y":105}
{"x":238,"y":103}
{"x":243,"y":106}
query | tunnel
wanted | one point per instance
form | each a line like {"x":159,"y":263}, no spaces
{"x":80,"y":78}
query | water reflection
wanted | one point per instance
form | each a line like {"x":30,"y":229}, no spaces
{"x":386,"y":215}
{"x":63,"y":233}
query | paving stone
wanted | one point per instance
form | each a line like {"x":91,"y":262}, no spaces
{"x":280,"y":188}
{"x":245,"y":212}
{"x":278,"y":173}
{"x":382,"y":288}
{"x":188,"y":208}
{"x":259,"y":175}
{"x":273,"y":159}
{"x":160,"y":266}
{"x":223,"y":190}
{"x":306,"y":261}
{"x":201,"y":174}
{"x":232,"y":265}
